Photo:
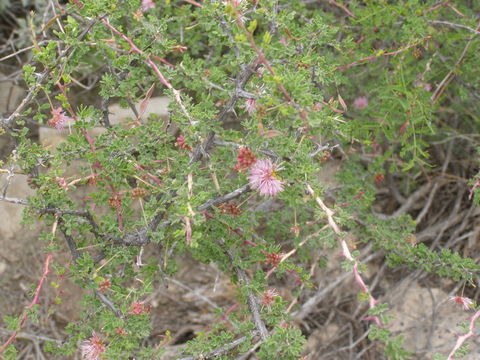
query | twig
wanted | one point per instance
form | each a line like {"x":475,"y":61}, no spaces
{"x":194,"y":3}
{"x":42,"y":78}
{"x":251,"y":351}
{"x":385,"y":54}
{"x":349,"y":347}
{"x":309,"y":306}
{"x":462,"y":338}
{"x":242,"y":78}
{"x":436,"y":186}
{"x":142,"y":236}
{"x":24,"y":335}
{"x":72,"y":246}
{"x":348,"y":255}
{"x":83,"y":213}
{"x":109,"y":304}
{"x":24,"y":317}
{"x":14,"y":200}
{"x":433,"y":230}
{"x":221,"y":350}
{"x":267,"y":152}
{"x":411,"y":201}
{"x":451,"y":74}
{"x":263,"y":60}
{"x":224,"y":198}
{"x":41,"y":43}
{"x":203,"y":298}
{"x":155,"y":68}
{"x":459,"y":26}
{"x":251,"y":298}
{"x":343,"y":7}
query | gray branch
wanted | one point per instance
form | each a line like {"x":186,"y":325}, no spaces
{"x":459,"y":26}
{"x":43,"y":77}
{"x":251,"y":298}
{"x":221,"y":350}
{"x":224,"y":198}
{"x":240,"y":82}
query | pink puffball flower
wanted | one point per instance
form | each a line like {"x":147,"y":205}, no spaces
{"x":147,"y":5}
{"x":464,"y":302}
{"x":250,"y":105}
{"x":360,"y":102}
{"x":62,"y":183}
{"x":93,"y":348}
{"x":138,"y":308}
{"x":59,"y":119}
{"x":268,"y":297}
{"x":263,"y":177}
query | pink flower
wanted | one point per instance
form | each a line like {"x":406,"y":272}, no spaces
{"x":138,"y":308}
{"x":274,"y":258}
{"x":147,"y":5}
{"x":361,"y":102}
{"x":263,"y":178}
{"x":268,"y":297}
{"x":250,"y":105}
{"x":427,"y":87}
{"x":93,"y":348}
{"x":464,"y":302}
{"x":295,"y":230}
{"x":245,"y":159}
{"x":59,"y":120}
{"x":182,"y":143}
{"x":62,"y":183}
{"x":472,"y":189}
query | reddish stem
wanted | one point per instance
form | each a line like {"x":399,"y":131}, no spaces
{"x":149,"y":62}
{"x":462,"y":338}
{"x":46,"y":270}
{"x":194,"y":3}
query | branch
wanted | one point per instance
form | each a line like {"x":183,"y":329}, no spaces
{"x":310,"y":305}
{"x":462,"y":338}
{"x":348,"y":255}
{"x":459,"y":26}
{"x":83,"y":213}
{"x":67,"y":53}
{"x":451,"y":74}
{"x":379,"y":55}
{"x":263,"y":60}
{"x":24,"y":317}
{"x":224,"y":198}
{"x":221,"y":350}
{"x":242,"y":78}
{"x":142,"y":236}
{"x":251,"y":298}
{"x":155,"y":68}
{"x":14,"y":200}
{"x":72,"y":246}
